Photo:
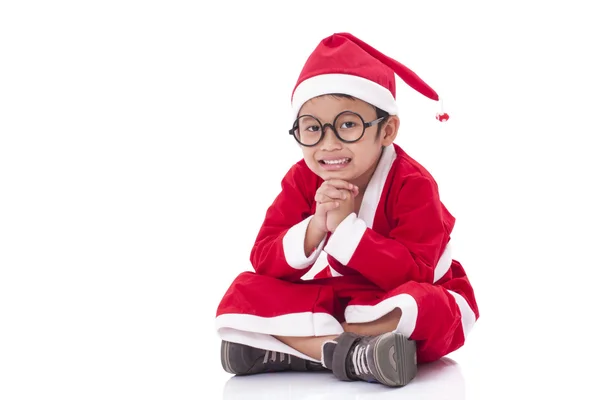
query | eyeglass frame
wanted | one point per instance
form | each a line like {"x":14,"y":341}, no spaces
{"x":332,"y":126}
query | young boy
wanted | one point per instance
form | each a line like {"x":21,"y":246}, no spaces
{"x":391,"y":296}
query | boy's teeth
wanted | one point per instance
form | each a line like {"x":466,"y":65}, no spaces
{"x":341,"y":161}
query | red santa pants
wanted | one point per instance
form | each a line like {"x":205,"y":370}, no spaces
{"x":256,"y":307}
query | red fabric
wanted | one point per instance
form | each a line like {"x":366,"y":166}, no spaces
{"x":343,"y":53}
{"x":409,"y":235}
{"x":294,"y":204}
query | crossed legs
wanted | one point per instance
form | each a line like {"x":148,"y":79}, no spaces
{"x":311,"y":346}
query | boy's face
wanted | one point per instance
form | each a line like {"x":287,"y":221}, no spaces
{"x":353,"y":162}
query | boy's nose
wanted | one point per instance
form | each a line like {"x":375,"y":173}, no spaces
{"x":330,"y":140}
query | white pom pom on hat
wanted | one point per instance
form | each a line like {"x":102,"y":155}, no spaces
{"x":342,"y":63}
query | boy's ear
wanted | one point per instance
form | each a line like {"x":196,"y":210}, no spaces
{"x":390,"y":130}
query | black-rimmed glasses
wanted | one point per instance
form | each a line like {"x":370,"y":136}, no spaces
{"x":348,"y":126}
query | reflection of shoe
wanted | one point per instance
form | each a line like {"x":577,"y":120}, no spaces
{"x":240,"y":359}
{"x":390,"y":359}
{"x":289,"y":386}
{"x":438,"y":380}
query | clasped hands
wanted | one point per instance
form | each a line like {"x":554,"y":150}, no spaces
{"x":335,"y":201}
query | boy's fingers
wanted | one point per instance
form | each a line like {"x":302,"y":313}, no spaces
{"x":340,"y":184}
{"x":333,"y":193}
{"x":323,"y":208}
{"x":330,"y":206}
{"x":322,"y":198}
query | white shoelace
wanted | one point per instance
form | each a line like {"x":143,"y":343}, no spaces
{"x":359,"y":360}
{"x":272,"y":356}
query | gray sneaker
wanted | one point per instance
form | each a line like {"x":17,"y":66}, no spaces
{"x":390,"y":359}
{"x":241,"y":359}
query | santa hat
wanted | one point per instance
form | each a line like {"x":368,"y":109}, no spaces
{"x":342,"y":63}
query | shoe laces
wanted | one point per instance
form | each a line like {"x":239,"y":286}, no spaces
{"x":359,"y":360}
{"x":273,"y":356}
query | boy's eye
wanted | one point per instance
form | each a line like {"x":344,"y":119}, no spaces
{"x":313,"y":128}
{"x":348,"y":125}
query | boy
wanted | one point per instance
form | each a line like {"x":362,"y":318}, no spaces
{"x":391,"y":296}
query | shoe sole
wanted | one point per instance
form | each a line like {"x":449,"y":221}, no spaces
{"x":395,"y":359}
{"x":225,"y":357}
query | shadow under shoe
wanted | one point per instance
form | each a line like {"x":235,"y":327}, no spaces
{"x":390,"y":359}
{"x":241,"y":359}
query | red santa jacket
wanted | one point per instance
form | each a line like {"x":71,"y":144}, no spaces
{"x":400,"y":234}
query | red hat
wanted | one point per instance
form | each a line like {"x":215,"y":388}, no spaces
{"x":342,"y":63}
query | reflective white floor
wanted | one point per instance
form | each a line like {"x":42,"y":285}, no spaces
{"x":439,"y":380}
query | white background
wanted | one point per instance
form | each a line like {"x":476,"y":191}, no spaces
{"x":141,"y":143}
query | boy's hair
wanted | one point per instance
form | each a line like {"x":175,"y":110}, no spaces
{"x":378,"y":111}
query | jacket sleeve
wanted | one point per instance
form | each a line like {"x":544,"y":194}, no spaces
{"x":415,"y":246}
{"x":279,"y":247}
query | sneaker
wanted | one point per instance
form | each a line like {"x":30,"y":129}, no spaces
{"x":390,"y":359}
{"x":241,"y":359}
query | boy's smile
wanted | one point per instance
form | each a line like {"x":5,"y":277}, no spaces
{"x":334,"y":163}
{"x":332,"y":158}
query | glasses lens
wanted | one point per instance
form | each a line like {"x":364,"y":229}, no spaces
{"x":349,"y":126}
{"x":308,"y":130}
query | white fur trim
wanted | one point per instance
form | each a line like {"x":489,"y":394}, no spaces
{"x":372,"y":195}
{"x":405,"y":302}
{"x":352,"y":85}
{"x":343,"y":242}
{"x":293,"y":246}
{"x":443,"y":264}
{"x":467,"y":315}
{"x":296,"y":324}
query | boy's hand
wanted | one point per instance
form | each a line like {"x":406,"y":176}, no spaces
{"x":329,"y":197}
{"x":318,"y":224}
{"x":341,"y":192}
{"x":334,"y":190}
{"x":337,"y":215}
